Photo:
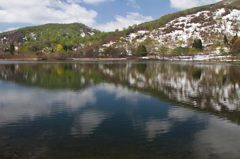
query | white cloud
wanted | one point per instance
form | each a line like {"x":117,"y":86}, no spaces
{"x":58,"y":11}
{"x":133,"y":3}
{"x":89,"y":1}
{"x":123,"y":22}
{"x":46,"y":11}
{"x":184,"y":4}
{"x":95,"y":1}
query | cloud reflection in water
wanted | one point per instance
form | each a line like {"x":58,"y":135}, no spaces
{"x":220,"y":138}
{"x":19,"y":102}
{"x":156,"y":127}
{"x":87,"y":122}
{"x":152,"y":117}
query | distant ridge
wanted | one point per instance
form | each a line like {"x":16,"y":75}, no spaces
{"x":74,"y":29}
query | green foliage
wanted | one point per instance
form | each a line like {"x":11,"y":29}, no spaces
{"x":49,"y":36}
{"x":67,"y":47}
{"x":101,"y":55}
{"x":235,"y":4}
{"x":151,"y":28}
{"x":163,"y":50}
{"x":234,"y":39}
{"x":222,"y":51}
{"x":198,"y":44}
{"x":192,"y":51}
{"x":225,"y":39}
{"x":115,"y":52}
{"x":60,"y":48}
{"x":180,"y":51}
{"x":124,"y":52}
{"x":12,"y":48}
{"x":186,"y":12}
{"x":110,"y":50}
{"x":216,"y":44}
{"x":124,"y":32}
{"x":167,"y":18}
{"x":26,"y":46}
{"x":141,"y":50}
{"x":69,"y":36}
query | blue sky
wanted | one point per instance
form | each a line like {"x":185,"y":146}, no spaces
{"x":105,"y":15}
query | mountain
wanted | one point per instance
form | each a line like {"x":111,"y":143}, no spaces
{"x":47,"y":36}
{"x":51,"y":30}
{"x":209,"y":23}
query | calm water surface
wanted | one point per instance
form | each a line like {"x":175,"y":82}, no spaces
{"x":125,"y":110}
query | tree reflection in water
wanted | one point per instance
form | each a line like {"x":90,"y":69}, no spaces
{"x":209,"y":87}
{"x":119,"y":109}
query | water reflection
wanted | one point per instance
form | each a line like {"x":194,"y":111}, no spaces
{"x":87,"y":122}
{"x":180,"y":115}
{"x":18,"y":102}
{"x":218,"y":139}
{"x":123,"y":110}
{"x":156,"y":127}
{"x":209,"y":87}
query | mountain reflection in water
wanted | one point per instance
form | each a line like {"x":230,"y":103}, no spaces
{"x":119,"y":109}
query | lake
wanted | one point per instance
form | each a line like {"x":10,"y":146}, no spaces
{"x":120,"y":110}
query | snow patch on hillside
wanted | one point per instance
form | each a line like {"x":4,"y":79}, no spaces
{"x":205,"y":25}
{"x":83,"y":34}
{"x":109,"y":44}
{"x":91,"y":33}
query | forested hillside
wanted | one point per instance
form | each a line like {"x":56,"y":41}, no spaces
{"x":210,"y":29}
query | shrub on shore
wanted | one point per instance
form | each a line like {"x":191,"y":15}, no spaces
{"x":236,"y":47}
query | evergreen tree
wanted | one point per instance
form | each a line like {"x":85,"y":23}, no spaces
{"x":65,"y":47}
{"x":12,"y":48}
{"x":141,"y":50}
{"x":198,"y":44}
{"x":225,"y":39}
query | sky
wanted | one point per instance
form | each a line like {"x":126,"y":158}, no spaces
{"x":105,"y":15}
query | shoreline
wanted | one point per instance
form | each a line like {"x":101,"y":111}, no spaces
{"x":121,"y":59}
{"x":97,"y":59}
{"x":22,"y":59}
{"x":74,"y":59}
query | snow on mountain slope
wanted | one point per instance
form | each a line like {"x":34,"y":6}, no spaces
{"x":205,"y":25}
{"x":209,"y":25}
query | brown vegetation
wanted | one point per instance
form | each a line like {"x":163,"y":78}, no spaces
{"x":236,"y":47}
